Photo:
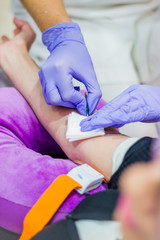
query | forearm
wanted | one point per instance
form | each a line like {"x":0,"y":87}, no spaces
{"x":97,"y":152}
{"x":46,"y":13}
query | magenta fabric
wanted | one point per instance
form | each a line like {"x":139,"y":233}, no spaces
{"x":26,"y":165}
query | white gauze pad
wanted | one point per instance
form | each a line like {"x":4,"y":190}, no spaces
{"x":74,"y":130}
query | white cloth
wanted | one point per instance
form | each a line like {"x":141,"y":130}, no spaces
{"x":74,"y":133}
{"x":120,"y":152}
{"x":103,"y":230}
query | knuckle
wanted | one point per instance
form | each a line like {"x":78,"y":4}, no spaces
{"x":98,"y":94}
{"x":45,"y":68}
{"x":52,"y":98}
{"x":66,"y":96}
{"x":58,"y":65}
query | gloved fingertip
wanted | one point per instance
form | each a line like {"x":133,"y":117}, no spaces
{"x":81,"y":110}
{"x":83,"y":122}
{"x":40,"y":76}
{"x":117,"y":125}
{"x":81,"y":106}
{"x":92,"y":110}
{"x":85,"y":127}
{"x":92,"y":103}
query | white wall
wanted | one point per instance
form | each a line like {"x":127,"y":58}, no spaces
{"x":6,"y":25}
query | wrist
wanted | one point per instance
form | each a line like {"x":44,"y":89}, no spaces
{"x":67,"y":31}
{"x":10,"y":58}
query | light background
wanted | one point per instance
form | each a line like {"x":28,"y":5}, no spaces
{"x":6,"y":25}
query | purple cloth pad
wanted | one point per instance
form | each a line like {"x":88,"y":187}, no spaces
{"x":26,"y":167}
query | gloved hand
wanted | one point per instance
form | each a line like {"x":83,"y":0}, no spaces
{"x":136,"y":103}
{"x":69,"y":59}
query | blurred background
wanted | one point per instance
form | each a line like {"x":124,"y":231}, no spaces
{"x":6,"y":26}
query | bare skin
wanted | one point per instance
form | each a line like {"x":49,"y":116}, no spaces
{"x":46,"y":13}
{"x":23,"y":72}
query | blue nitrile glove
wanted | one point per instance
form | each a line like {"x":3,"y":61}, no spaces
{"x":136,"y":103}
{"x":69,"y":59}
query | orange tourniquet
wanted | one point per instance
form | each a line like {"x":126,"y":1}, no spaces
{"x":47,"y":205}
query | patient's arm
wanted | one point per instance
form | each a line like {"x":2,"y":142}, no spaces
{"x":23,"y":72}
